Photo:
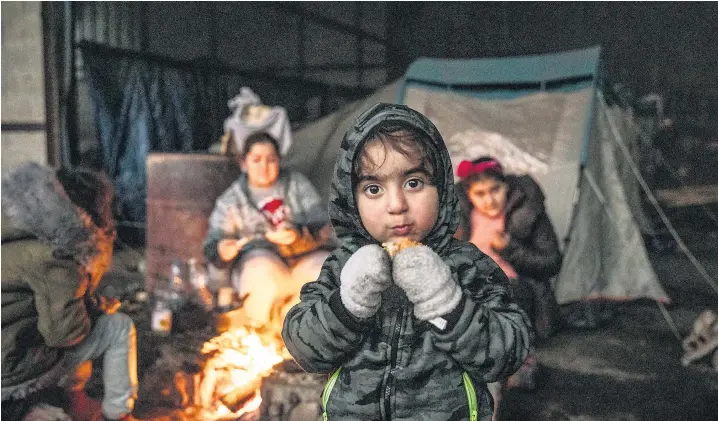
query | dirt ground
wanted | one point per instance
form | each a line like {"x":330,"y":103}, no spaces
{"x":629,"y":369}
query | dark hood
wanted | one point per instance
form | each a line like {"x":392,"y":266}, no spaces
{"x":35,"y":203}
{"x":343,"y":211}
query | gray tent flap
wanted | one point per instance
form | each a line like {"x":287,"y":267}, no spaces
{"x":606,"y":256}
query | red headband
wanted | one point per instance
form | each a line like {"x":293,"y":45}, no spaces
{"x":467,"y":168}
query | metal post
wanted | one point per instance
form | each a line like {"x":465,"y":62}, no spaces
{"x":50,"y":58}
{"x":144,"y":41}
{"x":213,"y":30}
{"x":302,"y":59}
{"x":70,"y":152}
{"x":360,"y":47}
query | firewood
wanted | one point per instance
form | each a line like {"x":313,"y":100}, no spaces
{"x":241,"y":394}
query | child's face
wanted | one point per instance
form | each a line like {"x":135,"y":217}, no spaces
{"x":394,"y":195}
{"x":488,"y":196}
{"x":261,"y":164}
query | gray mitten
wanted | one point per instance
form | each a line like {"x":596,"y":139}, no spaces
{"x":427,"y":281}
{"x":364,"y":277}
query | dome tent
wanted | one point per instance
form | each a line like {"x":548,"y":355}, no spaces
{"x":545,"y":115}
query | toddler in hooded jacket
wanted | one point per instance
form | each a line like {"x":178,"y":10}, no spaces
{"x":414,"y":335}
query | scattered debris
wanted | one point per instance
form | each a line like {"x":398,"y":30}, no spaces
{"x":703,"y":340}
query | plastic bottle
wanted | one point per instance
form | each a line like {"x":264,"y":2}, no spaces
{"x":198,"y":280}
{"x":177,"y":287}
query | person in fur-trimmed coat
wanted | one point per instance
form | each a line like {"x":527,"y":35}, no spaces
{"x":57,"y":236}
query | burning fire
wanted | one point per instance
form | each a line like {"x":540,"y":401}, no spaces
{"x":228,"y":386}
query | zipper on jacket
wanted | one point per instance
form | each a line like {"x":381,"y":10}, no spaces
{"x":471,"y":395}
{"x":328,"y":390}
{"x":394,"y":341}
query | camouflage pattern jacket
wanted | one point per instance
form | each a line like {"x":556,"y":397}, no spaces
{"x":393,"y":366}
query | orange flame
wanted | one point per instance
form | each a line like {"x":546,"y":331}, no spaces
{"x":240,"y":360}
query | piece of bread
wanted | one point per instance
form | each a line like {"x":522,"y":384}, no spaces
{"x":394,"y":247}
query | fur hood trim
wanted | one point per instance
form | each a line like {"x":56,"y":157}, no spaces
{"x":34,"y":201}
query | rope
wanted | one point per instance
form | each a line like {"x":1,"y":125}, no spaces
{"x":601,"y":198}
{"x":669,"y":320}
{"x":619,"y":141}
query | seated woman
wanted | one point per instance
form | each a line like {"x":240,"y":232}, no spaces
{"x":504,"y":216}
{"x":268,"y":227}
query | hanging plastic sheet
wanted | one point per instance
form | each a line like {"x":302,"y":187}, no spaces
{"x":143,"y":106}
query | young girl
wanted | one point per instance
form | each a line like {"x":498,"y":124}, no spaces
{"x":268,"y":227}
{"x":504,"y":216}
{"x":416,"y":334}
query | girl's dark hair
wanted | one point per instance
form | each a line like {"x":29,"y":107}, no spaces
{"x":496,"y":173}
{"x":255,"y":138}
{"x":403,"y":138}
{"x":91,"y":191}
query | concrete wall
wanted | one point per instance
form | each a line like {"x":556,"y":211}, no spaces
{"x":23,"y":85}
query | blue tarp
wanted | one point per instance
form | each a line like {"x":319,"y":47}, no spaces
{"x":141,"y":106}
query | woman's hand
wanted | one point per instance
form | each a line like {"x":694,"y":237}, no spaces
{"x":230,"y":247}
{"x":282,"y":236}
{"x":500,"y":240}
{"x":326,"y":233}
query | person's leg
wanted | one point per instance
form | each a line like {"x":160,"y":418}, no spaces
{"x":545,"y":316}
{"x":525,"y":376}
{"x":76,"y":381}
{"x":260,"y":274}
{"x":524,"y":295}
{"x":113,"y":337}
{"x":495,"y":390}
{"x":80,"y":407}
{"x":306,"y":269}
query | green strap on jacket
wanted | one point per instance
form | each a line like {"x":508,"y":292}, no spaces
{"x":468,"y":385}
{"x":471,"y":395}
{"x":328,"y":389}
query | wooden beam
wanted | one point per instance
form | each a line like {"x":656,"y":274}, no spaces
{"x":213,"y":22}
{"x":144,"y":37}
